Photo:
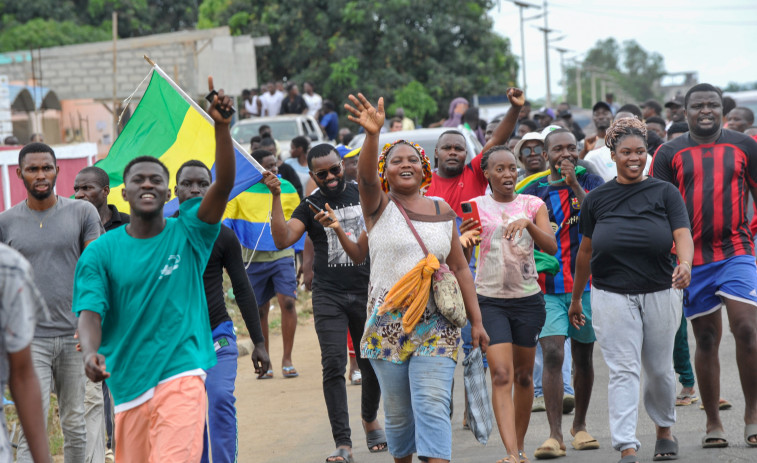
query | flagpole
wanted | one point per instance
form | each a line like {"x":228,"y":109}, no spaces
{"x":202,"y":112}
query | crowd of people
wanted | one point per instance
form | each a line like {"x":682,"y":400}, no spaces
{"x":547,"y":241}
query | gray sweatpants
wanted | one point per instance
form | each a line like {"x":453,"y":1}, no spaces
{"x":635,"y":331}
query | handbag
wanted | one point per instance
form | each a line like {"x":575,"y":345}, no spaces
{"x":479,"y":414}
{"x":447,"y":294}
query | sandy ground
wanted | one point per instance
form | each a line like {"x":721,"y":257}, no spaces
{"x":284,"y":420}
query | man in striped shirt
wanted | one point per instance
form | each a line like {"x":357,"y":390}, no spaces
{"x":715,"y":169}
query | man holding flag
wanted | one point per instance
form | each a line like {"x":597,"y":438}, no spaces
{"x":141,"y":303}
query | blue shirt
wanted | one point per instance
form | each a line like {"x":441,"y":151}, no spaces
{"x":330,"y":123}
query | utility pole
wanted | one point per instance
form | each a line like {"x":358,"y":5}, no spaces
{"x":115,"y":96}
{"x":546,"y":31}
{"x":579,"y":96}
{"x":521,"y":6}
{"x":564,"y":78}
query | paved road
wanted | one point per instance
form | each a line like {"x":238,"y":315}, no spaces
{"x":284,"y":420}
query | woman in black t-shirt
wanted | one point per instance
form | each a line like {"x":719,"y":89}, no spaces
{"x":629,"y":226}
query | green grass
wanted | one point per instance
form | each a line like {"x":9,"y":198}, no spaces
{"x":54,"y":433}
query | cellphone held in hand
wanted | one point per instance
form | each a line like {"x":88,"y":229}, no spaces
{"x":313,"y":205}
{"x":470,"y":211}
{"x":224,"y":113}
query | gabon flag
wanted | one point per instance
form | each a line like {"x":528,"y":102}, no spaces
{"x":169,"y":125}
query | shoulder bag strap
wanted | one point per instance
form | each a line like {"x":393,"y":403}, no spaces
{"x":409,"y":224}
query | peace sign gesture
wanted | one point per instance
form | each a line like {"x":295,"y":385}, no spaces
{"x":363,"y":113}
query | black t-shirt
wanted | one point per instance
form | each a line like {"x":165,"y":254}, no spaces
{"x":296,"y":106}
{"x":288,"y":173}
{"x":227,"y":253}
{"x":332,"y":267}
{"x":117,"y":219}
{"x":631,"y":229}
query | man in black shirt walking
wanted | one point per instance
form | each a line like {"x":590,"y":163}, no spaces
{"x":340,"y":286}
{"x":193,"y":180}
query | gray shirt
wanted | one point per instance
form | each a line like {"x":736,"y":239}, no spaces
{"x":20,"y":307}
{"x":52,"y":241}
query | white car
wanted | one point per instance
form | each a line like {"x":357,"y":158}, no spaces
{"x":427,"y":138}
{"x":283,"y":130}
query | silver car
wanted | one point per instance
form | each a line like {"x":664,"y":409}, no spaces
{"x":283,"y":130}
{"x":427,"y":138}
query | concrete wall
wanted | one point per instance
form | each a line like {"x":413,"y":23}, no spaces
{"x":86,"y":70}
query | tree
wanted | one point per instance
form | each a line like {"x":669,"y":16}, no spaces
{"x":376,"y":47}
{"x":415,"y":100}
{"x":47,"y":23}
{"x":630,"y":71}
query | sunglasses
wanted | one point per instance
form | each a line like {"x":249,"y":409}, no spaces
{"x":334,"y":170}
{"x":527,"y":151}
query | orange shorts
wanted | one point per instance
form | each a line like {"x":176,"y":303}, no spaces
{"x":167,"y":428}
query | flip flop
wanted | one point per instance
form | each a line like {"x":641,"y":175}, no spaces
{"x":683,"y":400}
{"x":375,"y":438}
{"x":268,"y":375}
{"x":522,"y":457}
{"x":666,"y":449}
{"x":709,"y":440}
{"x":289,"y":372}
{"x":723,"y":404}
{"x":629,"y":459}
{"x":750,"y":430}
{"x":582,"y":440}
{"x":510,"y":459}
{"x":550,"y":449}
{"x":344,"y":454}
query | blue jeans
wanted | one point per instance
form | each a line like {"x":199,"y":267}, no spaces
{"x":219,"y":383}
{"x":417,"y":396}
{"x":566,"y":365}
{"x":57,"y":362}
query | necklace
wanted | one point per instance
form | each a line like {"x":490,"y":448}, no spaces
{"x":43,"y":214}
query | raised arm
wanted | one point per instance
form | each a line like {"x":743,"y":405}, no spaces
{"x":507,"y":125}
{"x":214,"y":203}
{"x":373,"y":200}
{"x":284,"y":233}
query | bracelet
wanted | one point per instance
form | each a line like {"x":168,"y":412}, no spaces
{"x":687,"y":263}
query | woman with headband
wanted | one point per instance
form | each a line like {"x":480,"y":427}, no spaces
{"x":412,"y":349}
{"x":629,"y":226}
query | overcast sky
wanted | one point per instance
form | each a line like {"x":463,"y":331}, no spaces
{"x":717,"y":40}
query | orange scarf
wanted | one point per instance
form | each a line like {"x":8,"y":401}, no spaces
{"x":411,"y":292}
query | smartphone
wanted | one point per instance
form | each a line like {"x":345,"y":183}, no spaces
{"x":224,"y":113}
{"x":470,"y":211}
{"x":313,"y":205}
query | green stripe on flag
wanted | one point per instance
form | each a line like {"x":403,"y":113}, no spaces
{"x":151,"y":131}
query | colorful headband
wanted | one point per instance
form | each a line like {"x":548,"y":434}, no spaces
{"x":424,"y":163}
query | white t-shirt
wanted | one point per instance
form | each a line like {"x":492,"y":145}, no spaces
{"x":252,"y":107}
{"x":601,"y":159}
{"x":271,"y":103}
{"x":314,"y":103}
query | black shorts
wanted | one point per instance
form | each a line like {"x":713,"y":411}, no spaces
{"x":518,"y":321}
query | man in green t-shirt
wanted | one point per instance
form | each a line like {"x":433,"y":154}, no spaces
{"x":140,"y":298}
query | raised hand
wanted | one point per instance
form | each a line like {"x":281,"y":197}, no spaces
{"x":516,"y":96}
{"x":221,"y":100}
{"x":272,"y":182}
{"x":363,"y":113}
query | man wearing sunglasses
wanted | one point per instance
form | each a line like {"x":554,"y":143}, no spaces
{"x":333,"y":220}
{"x":530,"y":152}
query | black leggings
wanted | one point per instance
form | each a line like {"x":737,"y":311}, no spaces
{"x":335,"y":312}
